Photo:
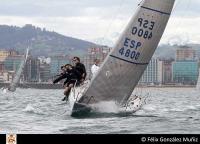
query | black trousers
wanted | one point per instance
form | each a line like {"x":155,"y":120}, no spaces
{"x":72,"y":79}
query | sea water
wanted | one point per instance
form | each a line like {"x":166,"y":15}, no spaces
{"x":36,"y":111}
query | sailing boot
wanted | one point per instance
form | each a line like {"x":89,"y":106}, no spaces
{"x":66,"y":96}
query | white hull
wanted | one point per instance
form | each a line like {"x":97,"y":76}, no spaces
{"x":80,"y":109}
{"x":133,"y":105}
{"x":75,"y":95}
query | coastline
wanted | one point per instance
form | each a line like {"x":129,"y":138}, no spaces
{"x":59,"y":86}
{"x":167,"y":86}
{"x":35,"y":85}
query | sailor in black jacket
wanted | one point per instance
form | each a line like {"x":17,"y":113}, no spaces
{"x":78,"y":76}
{"x":80,"y":67}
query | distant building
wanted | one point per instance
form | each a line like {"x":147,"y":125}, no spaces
{"x":1,"y":67}
{"x":95,"y":53}
{"x":99,"y":52}
{"x":31,"y":70}
{"x":9,"y":64}
{"x":87,"y":62}
{"x":12,"y":63}
{"x":10,"y":76}
{"x":185,"y":68}
{"x":1,"y":78}
{"x":57,"y":62}
{"x":165,"y":71}
{"x":185,"y":53}
{"x":150,"y":75}
{"x":4,"y":77}
{"x":44,"y":71}
{"x":4,"y":54}
{"x":185,"y":72}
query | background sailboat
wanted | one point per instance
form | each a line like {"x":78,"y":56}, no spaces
{"x":123,"y":67}
{"x":16,"y":79}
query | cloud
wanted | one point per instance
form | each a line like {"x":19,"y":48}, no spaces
{"x":57,"y":7}
{"x":187,"y":8}
{"x":35,"y":8}
{"x":93,"y":19}
{"x":183,"y":28}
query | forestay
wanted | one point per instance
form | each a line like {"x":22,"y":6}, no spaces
{"x":123,"y":67}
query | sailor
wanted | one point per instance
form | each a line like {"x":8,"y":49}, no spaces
{"x":95,"y":67}
{"x":62,"y":75}
{"x":80,"y":67}
{"x":77,"y":76}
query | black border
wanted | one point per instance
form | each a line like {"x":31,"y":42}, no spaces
{"x":106,"y":138}
{"x":2,"y":139}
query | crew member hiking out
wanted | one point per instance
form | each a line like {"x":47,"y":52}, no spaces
{"x":77,"y":76}
{"x":62,"y":75}
{"x":69,"y":73}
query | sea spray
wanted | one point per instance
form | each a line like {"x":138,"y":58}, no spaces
{"x":31,"y":109}
{"x":106,"y":107}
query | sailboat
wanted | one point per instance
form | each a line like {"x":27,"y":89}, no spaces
{"x":12,"y":86}
{"x":125,"y":64}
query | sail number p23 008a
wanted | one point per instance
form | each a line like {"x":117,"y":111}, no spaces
{"x":144,"y":30}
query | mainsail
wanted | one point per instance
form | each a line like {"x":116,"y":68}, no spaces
{"x":125,"y":64}
{"x":16,"y":79}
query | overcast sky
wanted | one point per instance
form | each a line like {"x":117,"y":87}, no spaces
{"x":93,"y":20}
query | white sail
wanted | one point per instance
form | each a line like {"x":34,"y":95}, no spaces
{"x":198,"y":82}
{"x":16,"y":79}
{"x":127,"y":61}
{"x":125,"y":64}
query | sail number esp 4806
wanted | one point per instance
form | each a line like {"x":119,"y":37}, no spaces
{"x":143,"y":30}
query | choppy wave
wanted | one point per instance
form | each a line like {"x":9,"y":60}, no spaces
{"x":149,"y":107}
{"x":31,"y":109}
